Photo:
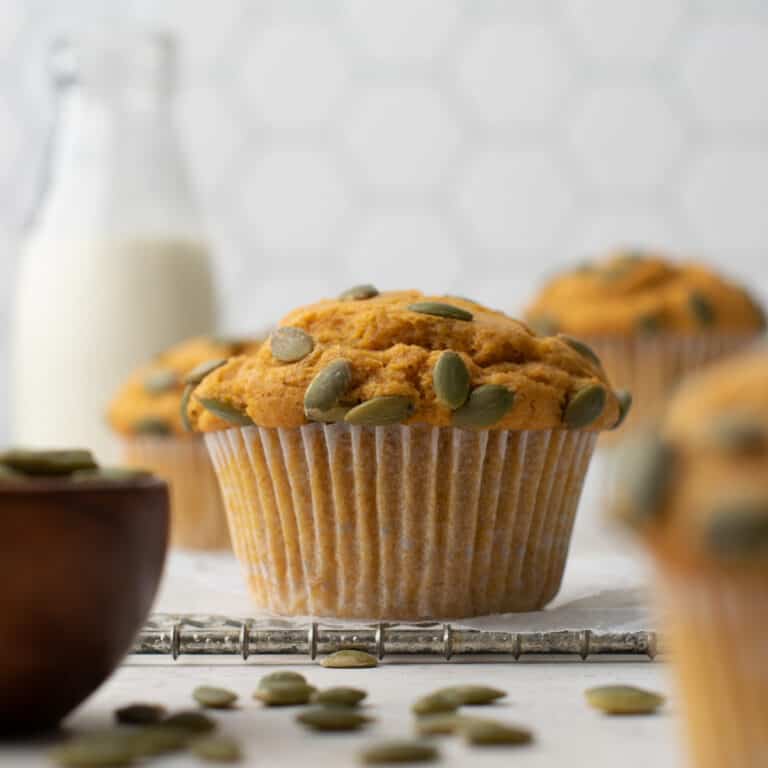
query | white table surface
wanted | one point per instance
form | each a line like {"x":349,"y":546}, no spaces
{"x":545,"y":695}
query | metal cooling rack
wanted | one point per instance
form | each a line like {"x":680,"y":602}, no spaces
{"x":178,"y":635}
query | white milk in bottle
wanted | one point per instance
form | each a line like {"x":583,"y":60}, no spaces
{"x":114,"y":268}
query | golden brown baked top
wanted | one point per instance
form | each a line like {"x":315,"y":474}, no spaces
{"x":636,"y":293}
{"x":700,"y":490}
{"x":148,"y":403}
{"x":406,"y":358}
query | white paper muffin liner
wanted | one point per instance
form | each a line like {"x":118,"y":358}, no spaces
{"x":400,"y":522}
{"x":198,"y":520}
{"x":717,"y":632}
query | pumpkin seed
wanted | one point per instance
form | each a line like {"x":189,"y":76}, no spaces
{"x":158,"y":740}
{"x":472,"y":695}
{"x":358,"y":293}
{"x":489,"y":733}
{"x":325,"y":390}
{"x":650,"y":324}
{"x":485,"y":406}
{"x":380,"y":411}
{"x":702,"y":308}
{"x":199,"y":372}
{"x":739,"y":434}
{"x":543,"y":325}
{"x":226,"y":412}
{"x":47,"y":462}
{"x":398,"y":752}
{"x":440,"y":724}
{"x":738,"y":529}
{"x":157,"y":382}
{"x":282,"y":676}
{"x":585,"y":406}
{"x":340,"y":696}
{"x":216,"y":749}
{"x":331,"y":416}
{"x":290,"y":344}
{"x":624,"y":398}
{"x":332,"y":719}
{"x":349,"y":658}
{"x":110,"y":474}
{"x":285,"y":694}
{"x":623,"y":700}
{"x":95,"y":751}
{"x":438,"y":309}
{"x":435,"y":703}
{"x":583,"y":349}
{"x":451,"y":380}
{"x":214,"y":698}
{"x":140,"y":714}
{"x":152,"y":425}
{"x":6,"y":473}
{"x":190,"y":722}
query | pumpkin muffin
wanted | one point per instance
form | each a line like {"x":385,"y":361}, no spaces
{"x":698,"y":496}
{"x":146,"y":414}
{"x":399,"y":456}
{"x":651,"y":321}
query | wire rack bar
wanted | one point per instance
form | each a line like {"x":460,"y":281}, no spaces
{"x":177,"y":635}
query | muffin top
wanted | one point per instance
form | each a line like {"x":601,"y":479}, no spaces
{"x":643,"y":293}
{"x":405,"y":358}
{"x":699,"y":491}
{"x":148,"y":403}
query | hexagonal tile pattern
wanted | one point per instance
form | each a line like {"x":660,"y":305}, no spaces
{"x":400,"y":29}
{"x":603,"y":228}
{"x":293,"y":72}
{"x":402,"y":136}
{"x":725,"y":197}
{"x":513,"y":199}
{"x":10,"y":142}
{"x":513,"y":71}
{"x":720,"y":66}
{"x":403,"y":250}
{"x":293,"y":199}
{"x":625,"y":137}
{"x":608,"y":29}
{"x":12,"y":16}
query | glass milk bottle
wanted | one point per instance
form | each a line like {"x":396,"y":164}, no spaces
{"x":114,"y":267}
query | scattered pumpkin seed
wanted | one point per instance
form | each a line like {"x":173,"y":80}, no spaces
{"x":702,"y":308}
{"x":440,"y":724}
{"x":11,"y":474}
{"x":583,"y":349}
{"x":226,"y":412}
{"x":349,"y":658}
{"x":152,"y":425}
{"x":472,"y":695}
{"x":380,"y":411}
{"x":332,"y":719}
{"x":56,"y":462}
{"x":158,"y":740}
{"x":624,"y":398}
{"x":489,"y":733}
{"x":216,"y":749}
{"x":285,"y":694}
{"x":543,"y":325}
{"x":282,"y":676}
{"x":739,"y":434}
{"x":623,"y":700}
{"x":435,"y":703}
{"x":157,"y":382}
{"x":290,"y":344}
{"x":331,"y":416}
{"x":95,"y":751}
{"x":110,"y":474}
{"x":358,"y":293}
{"x":184,"y":407}
{"x":189,"y":721}
{"x":325,"y":390}
{"x":451,"y":380}
{"x":650,"y":324}
{"x":214,"y":698}
{"x":140,"y":714}
{"x":738,"y":529}
{"x":398,"y":752}
{"x":585,"y":406}
{"x":339,"y":696}
{"x":439,"y":309}
{"x":485,"y":406}
{"x":199,"y":372}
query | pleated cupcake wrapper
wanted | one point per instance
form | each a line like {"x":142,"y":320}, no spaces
{"x":400,"y":522}
{"x":198,"y":520}
{"x":717,"y":632}
{"x":652,"y":367}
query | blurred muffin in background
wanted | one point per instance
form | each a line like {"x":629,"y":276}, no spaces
{"x":698,"y":496}
{"x":146,"y":414}
{"x":401,"y":456}
{"x":650,"y":320}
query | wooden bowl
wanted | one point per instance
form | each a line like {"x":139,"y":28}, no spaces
{"x":80,"y":564}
